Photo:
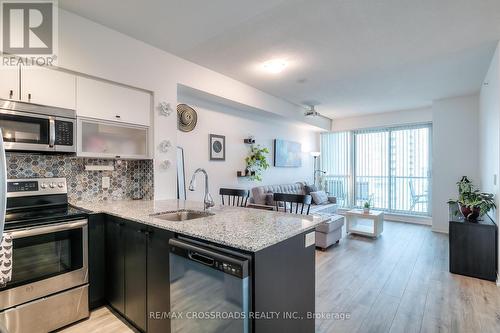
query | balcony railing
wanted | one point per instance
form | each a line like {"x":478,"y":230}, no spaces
{"x":402,"y":195}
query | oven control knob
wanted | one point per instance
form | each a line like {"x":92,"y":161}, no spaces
{"x":60,"y":185}
{"x":52,"y":185}
{"x":43,"y":185}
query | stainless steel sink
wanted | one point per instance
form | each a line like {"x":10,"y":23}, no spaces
{"x":182,"y":215}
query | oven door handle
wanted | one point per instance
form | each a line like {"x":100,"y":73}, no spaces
{"x":48,"y":229}
{"x":52,"y":132}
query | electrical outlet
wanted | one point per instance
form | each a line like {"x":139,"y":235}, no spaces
{"x":106,"y":183}
{"x":310,"y":239}
{"x":495,"y":180}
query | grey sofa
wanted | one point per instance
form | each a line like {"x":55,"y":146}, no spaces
{"x":262,"y":195}
{"x":327,"y":233}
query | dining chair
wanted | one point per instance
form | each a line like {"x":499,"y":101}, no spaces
{"x":288,"y":200}
{"x":235,"y":197}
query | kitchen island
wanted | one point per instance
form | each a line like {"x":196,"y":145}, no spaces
{"x":129,"y":259}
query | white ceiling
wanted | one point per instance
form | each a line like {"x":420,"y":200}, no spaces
{"x":349,"y":56}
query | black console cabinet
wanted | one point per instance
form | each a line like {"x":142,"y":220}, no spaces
{"x":473,"y":248}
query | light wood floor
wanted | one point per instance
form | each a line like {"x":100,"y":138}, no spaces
{"x":101,"y":320}
{"x":400,"y":283}
{"x":397,"y":283}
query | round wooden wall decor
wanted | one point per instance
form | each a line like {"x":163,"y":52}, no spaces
{"x":186,"y":118}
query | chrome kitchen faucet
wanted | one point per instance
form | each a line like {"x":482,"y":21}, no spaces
{"x":208,"y":201}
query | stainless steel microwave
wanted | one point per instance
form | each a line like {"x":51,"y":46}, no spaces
{"x":33,"y":127}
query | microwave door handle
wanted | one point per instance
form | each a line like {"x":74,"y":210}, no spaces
{"x":45,"y":230}
{"x":52,"y":132}
{"x":3,"y":184}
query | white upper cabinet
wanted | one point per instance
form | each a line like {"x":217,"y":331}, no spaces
{"x":48,"y":87}
{"x":101,"y":100}
{"x":9,"y":83}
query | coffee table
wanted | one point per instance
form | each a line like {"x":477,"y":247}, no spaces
{"x":369,"y":224}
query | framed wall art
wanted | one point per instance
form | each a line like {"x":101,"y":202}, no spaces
{"x":217,"y":147}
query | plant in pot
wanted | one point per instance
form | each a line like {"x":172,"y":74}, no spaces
{"x":366,"y":206}
{"x":471,"y":202}
{"x":256,"y":162}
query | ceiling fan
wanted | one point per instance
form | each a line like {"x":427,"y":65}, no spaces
{"x":311,"y":112}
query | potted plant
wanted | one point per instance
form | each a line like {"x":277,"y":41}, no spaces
{"x":256,"y":162}
{"x":471,"y":202}
{"x":366,"y":207}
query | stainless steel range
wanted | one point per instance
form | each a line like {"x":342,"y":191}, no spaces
{"x":49,"y":285}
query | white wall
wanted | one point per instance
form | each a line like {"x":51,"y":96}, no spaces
{"x":89,"y":48}
{"x":395,"y":118}
{"x":237,"y":125}
{"x":489,"y":134}
{"x":455,"y":152}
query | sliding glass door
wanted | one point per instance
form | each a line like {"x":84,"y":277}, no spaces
{"x":390,"y":167}
{"x":410,"y":170}
{"x":371,"y":172}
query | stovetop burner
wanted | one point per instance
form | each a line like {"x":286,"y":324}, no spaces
{"x":32,"y":202}
{"x":33,"y":217}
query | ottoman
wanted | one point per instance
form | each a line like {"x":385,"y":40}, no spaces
{"x":329,"y":232}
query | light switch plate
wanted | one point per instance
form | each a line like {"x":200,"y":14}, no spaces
{"x":310,"y":239}
{"x":106,"y":183}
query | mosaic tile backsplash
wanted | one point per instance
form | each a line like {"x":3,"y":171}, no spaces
{"x":131,"y":179}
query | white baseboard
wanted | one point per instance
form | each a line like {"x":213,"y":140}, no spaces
{"x":424,"y":220}
{"x":409,"y":219}
{"x":442,"y":231}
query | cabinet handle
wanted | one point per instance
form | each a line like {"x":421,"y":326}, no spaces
{"x":29,"y":97}
{"x":11,"y":94}
{"x":117,"y":116}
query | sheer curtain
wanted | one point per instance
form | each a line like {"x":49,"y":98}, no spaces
{"x":336,"y":162}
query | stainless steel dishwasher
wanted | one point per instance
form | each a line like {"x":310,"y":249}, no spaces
{"x":209,"y":288}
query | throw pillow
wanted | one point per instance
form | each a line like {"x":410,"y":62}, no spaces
{"x":310,"y":188}
{"x":319,"y":197}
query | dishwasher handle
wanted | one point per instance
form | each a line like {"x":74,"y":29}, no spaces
{"x":202,"y":259}
{"x":218,"y":260}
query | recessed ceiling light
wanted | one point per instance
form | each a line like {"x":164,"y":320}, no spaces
{"x":275,"y":66}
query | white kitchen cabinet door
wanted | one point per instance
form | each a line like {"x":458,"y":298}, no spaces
{"x":101,"y":100}
{"x":9,"y":83}
{"x":48,"y":87}
{"x":105,"y":139}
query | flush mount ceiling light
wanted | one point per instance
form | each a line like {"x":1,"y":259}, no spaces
{"x":275,"y":66}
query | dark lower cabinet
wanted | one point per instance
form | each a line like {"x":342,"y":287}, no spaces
{"x":473,"y":248}
{"x":133,"y":261}
{"x":284,"y":282}
{"x":158,"y":284}
{"x":135,"y":274}
{"x":97,"y":260}
{"x":115,"y":263}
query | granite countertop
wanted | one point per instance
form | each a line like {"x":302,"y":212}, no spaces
{"x":242,"y":228}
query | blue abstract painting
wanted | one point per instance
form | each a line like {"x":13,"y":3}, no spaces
{"x":287,"y":153}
